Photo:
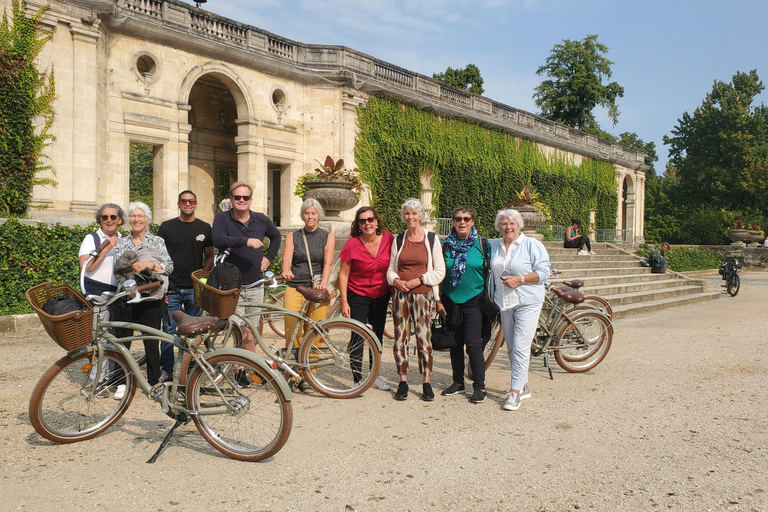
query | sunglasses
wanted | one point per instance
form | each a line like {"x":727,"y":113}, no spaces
{"x":109,"y":217}
{"x":366,"y":220}
{"x":241,"y":198}
{"x":459,"y":219}
{"x":187,"y":201}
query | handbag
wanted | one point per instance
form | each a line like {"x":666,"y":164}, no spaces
{"x":443,"y":335}
{"x":319,"y":295}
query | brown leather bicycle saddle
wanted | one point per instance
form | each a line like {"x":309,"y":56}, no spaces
{"x":313,"y":294}
{"x":568,"y":294}
{"x":188,"y":324}
{"x":574,"y":283}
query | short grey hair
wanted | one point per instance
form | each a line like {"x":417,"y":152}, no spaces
{"x":311,"y":202}
{"x":120,"y":212}
{"x":414,"y":205}
{"x":133,"y":205}
{"x":510,"y":214}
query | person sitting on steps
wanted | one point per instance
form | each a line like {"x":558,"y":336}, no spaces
{"x":573,"y":239}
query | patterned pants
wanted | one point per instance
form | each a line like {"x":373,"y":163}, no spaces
{"x":412,"y":313}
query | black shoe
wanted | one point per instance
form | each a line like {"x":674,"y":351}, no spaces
{"x":453,"y":389}
{"x":242,"y":379}
{"x":478,"y":396}
{"x":427,"y":394}
{"x":402,"y":391}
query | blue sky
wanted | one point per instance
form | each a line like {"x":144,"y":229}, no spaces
{"x":666,"y":53}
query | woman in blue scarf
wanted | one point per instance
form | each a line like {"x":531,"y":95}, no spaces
{"x":462,"y":299}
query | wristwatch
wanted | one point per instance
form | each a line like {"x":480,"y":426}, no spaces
{"x":421,"y":280}
{"x":522,"y":279}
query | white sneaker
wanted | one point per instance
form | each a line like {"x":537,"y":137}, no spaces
{"x":525,"y":393}
{"x":582,"y":253}
{"x":380,"y":384}
{"x":357,"y":385}
{"x":512,"y":403}
{"x":120,"y":392}
{"x":591,"y":253}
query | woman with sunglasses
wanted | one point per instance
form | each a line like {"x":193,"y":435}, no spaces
{"x":462,"y":299}
{"x":99,"y":275}
{"x":363,"y":288}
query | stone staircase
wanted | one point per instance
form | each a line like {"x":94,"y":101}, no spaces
{"x":615,"y":274}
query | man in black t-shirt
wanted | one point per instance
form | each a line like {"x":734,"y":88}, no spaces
{"x":189,"y":243}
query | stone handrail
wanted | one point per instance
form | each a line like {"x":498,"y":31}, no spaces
{"x":347,"y":66}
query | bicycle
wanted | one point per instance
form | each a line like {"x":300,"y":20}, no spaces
{"x":730,"y":272}
{"x":239,"y":403}
{"x":331,"y":355}
{"x":579,"y":336}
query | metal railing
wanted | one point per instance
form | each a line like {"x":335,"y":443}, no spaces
{"x":613,"y":235}
{"x":551,"y":232}
{"x":440,"y":226}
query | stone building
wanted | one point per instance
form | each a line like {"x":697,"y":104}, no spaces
{"x":221,"y":101}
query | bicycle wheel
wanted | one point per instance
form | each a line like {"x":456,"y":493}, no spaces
{"x":65,"y":407}
{"x":245,"y":423}
{"x":344,"y":363}
{"x":589,"y":328}
{"x":601,"y":304}
{"x":276,"y":320}
{"x":733,"y":284}
{"x":221,"y":338}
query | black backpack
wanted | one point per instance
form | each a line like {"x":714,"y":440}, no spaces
{"x":60,"y":305}
{"x":224,"y":276}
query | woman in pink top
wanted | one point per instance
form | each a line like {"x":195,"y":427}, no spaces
{"x":362,"y":280}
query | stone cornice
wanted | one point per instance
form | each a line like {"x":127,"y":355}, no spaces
{"x":179,"y":25}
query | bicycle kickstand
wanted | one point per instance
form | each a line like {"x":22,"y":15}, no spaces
{"x":548,"y":365}
{"x":181,"y":421}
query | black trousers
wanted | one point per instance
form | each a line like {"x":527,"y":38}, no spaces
{"x":149,"y":313}
{"x":469,"y":333}
{"x":580,"y":241}
{"x":367,"y":310}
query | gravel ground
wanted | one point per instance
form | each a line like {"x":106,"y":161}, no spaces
{"x":674,"y":418}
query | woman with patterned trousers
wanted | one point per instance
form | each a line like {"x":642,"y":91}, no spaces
{"x":520,"y":266}
{"x":416,"y":268}
{"x":307,"y":259}
{"x":463,"y":298}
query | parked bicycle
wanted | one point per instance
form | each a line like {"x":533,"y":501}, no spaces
{"x":730,"y":272}
{"x":237,"y":399}
{"x":578,"y":334}
{"x":339,"y":357}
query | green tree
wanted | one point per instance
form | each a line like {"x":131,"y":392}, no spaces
{"x":574,"y":86}
{"x":26,"y":111}
{"x":140,"y":186}
{"x":468,"y":78}
{"x":720,"y":152}
{"x":633,"y":141}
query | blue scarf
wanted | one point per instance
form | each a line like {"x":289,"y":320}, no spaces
{"x":459,"y":249}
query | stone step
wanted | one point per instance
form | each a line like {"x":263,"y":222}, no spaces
{"x":608,"y":263}
{"x":642,"y":308}
{"x":598,"y":259}
{"x":652,"y":295}
{"x":584,"y":273}
{"x":607,"y":290}
{"x":611,"y":279}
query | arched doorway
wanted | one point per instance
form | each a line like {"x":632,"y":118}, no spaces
{"x":628,"y":205}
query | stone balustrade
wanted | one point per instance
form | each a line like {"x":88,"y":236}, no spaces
{"x":356,"y":69}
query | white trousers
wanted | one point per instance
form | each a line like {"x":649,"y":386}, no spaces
{"x":519,"y":327}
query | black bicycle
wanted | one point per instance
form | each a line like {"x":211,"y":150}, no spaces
{"x":730,"y":272}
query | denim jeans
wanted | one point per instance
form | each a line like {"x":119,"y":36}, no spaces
{"x":177,"y":300}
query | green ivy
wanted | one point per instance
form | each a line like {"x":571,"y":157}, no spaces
{"x":26,"y":110}
{"x":471,"y":164}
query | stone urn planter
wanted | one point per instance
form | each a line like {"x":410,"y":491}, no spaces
{"x":531,"y":218}
{"x":738,"y":235}
{"x":755,"y":237}
{"x":334,"y":195}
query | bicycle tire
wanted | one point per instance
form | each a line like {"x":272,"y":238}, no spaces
{"x":63,"y":407}
{"x":261,"y":422}
{"x":389,"y":329}
{"x":215,"y":340}
{"x":595,"y":329}
{"x":733,"y":284}
{"x":601,"y":303}
{"x":276,"y":320}
{"x":331,"y":364}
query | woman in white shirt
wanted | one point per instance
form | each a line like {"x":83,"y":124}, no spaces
{"x":520,"y":266}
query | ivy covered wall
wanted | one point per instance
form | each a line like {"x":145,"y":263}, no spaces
{"x":472,"y":165}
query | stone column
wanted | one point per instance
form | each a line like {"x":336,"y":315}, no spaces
{"x":631,"y":224}
{"x":252,"y":163}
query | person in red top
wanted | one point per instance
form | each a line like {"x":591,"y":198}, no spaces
{"x":362,"y":281}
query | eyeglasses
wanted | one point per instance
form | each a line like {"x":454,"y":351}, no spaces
{"x":459,"y":219}
{"x":366,"y":220}
{"x":241,"y":198}
{"x":109,"y":217}
{"x":187,"y":201}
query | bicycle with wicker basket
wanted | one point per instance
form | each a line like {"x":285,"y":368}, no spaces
{"x":238,"y":401}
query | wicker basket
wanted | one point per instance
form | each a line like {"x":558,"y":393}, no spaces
{"x":71,"y":330}
{"x":219,"y":303}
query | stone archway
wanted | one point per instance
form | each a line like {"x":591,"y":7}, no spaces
{"x":216,"y":100}
{"x":628,"y":203}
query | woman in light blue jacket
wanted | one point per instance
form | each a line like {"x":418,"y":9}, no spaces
{"x":520,"y":266}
